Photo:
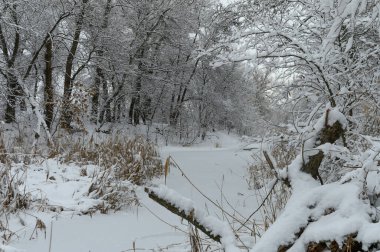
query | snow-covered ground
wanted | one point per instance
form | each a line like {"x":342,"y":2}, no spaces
{"x":218,"y":168}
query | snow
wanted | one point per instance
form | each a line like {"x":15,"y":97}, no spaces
{"x":349,"y":215}
{"x":60,"y":185}
{"x":310,"y":135}
{"x":326,"y":212}
{"x":217,"y":167}
{"x":9,"y":249}
{"x":174,"y":198}
{"x":213,"y":224}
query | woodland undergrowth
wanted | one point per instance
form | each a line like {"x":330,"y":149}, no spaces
{"x":121,"y":165}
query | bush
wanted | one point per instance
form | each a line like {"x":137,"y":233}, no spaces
{"x":133,"y":160}
{"x":123,"y":165}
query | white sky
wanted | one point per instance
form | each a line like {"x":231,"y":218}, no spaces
{"x":226,"y":1}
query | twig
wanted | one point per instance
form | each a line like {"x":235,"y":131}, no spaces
{"x":229,"y":204}
{"x":236,"y":235}
{"x":205,"y":196}
{"x":51,"y":235}
{"x":262,"y":203}
{"x":160,"y":219}
{"x":270,"y":163}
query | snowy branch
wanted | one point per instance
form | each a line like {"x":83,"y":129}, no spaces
{"x":214,"y":228}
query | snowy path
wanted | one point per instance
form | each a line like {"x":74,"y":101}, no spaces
{"x":217,"y":172}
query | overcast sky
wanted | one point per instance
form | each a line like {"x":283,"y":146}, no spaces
{"x":227,"y":1}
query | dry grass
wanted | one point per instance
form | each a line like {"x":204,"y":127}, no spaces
{"x":12,"y":199}
{"x":123,"y":165}
{"x":133,"y":160}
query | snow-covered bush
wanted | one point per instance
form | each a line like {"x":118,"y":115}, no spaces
{"x":113,"y":194}
{"x":123,"y":165}
{"x":134,"y":160}
{"x":338,"y":214}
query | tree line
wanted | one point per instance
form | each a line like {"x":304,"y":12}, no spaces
{"x":67,"y":63}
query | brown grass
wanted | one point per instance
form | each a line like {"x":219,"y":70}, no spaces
{"x":123,"y":164}
{"x":133,"y":160}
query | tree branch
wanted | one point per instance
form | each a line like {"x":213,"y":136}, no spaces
{"x":189,"y":217}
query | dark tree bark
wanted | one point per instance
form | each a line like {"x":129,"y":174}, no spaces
{"x":100,"y":79}
{"x":10,"y":111}
{"x":105,"y":113}
{"x":15,"y":91}
{"x":176,"y":105}
{"x":329,"y":134}
{"x":49,"y":89}
{"x":13,"y":88}
{"x":135,"y":106}
{"x":67,"y":112}
{"x":115,"y":95}
{"x":95,"y":98}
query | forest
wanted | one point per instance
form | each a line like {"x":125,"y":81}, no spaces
{"x":67,"y":64}
{"x":110,"y":89}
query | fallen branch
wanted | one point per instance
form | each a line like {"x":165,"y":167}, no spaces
{"x":214,"y":228}
{"x":189,"y":217}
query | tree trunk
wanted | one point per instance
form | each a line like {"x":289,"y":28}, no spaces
{"x":95,"y":99}
{"x":100,"y":77}
{"x":49,"y":89}
{"x":105,"y":98}
{"x":105,"y":113}
{"x":10,"y":59}
{"x":10,"y":111}
{"x":175,"y":110}
{"x":135,"y":107}
{"x":67,"y":112}
{"x":171,"y":111}
{"x":134,"y":110}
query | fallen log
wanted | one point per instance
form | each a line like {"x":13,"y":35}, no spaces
{"x":190,"y":217}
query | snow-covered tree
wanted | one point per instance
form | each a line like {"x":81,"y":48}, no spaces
{"x":325,"y":52}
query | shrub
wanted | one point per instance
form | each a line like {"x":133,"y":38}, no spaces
{"x":123,"y":165}
{"x":133,"y":160}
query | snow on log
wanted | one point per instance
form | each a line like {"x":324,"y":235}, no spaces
{"x":325,"y":217}
{"x":217,"y":230}
{"x":329,"y":213}
{"x":328,"y":129}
